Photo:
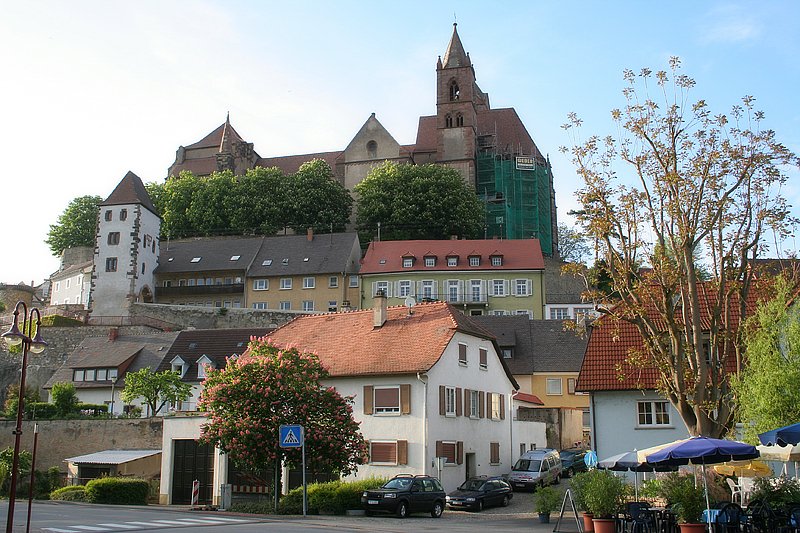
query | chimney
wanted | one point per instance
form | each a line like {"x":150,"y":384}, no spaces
{"x":113,"y":333}
{"x":379,"y":312}
{"x":310,"y":234}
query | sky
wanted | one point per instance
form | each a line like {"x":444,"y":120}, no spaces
{"x":92,"y":89}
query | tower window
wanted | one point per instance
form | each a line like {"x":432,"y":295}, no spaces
{"x":123,"y":214}
{"x":108,"y":215}
{"x":448,"y":121}
{"x":372,"y":149}
{"x":113,"y":238}
{"x":459,"y":120}
{"x":111,"y":264}
{"x":454,"y":91}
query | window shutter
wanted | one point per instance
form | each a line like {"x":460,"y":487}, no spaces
{"x":505,"y":287}
{"x":369,"y":451}
{"x":402,"y":452}
{"x":405,"y":399}
{"x":502,"y":407}
{"x":419,"y":289}
{"x":374,"y":288}
{"x":481,"y":403}
{"x":368,"y":399}
{"x":439,"y":449}
{"x":528,"y":289}
{"x":467,"y":394}
{"x":489,"y":405}
{"x":458,"y":402}
{"x":442,"y":406}
{"x":459,"y":452}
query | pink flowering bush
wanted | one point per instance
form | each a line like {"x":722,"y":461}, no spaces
{"x":256,"y":393}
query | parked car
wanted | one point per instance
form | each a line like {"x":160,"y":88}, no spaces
{"x":572,"y":461}
{"x":406,"y":494}
{"x":536,"y":468}
{"x":479,"y":492}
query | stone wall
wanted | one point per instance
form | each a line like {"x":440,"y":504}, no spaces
{"x":186,"y":316}
{"x":564,"y":425}
{"x":59,"y":439}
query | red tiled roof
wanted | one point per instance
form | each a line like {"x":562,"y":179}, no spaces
{"x":349,"y":345}
{"x":606,"y":366}
{"x":199,"y":167}
{"x":518,"y":254}
{"x":214,"y":139}
{"x":290,"y":164}
{"x":529,"y":398}
{"x":130,"y":190}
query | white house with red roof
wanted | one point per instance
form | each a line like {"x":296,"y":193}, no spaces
{"x":478,"y":277}
{"x":427,"y":383}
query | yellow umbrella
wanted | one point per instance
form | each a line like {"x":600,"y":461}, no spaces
{"x":752,"y":468}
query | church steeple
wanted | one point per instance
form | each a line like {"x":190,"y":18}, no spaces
{"x":455,"y":56}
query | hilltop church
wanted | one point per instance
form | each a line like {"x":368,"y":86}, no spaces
{"x":491,"y":148}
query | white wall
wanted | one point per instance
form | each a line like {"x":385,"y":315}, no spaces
{"x":76,"y":293}
{"x":102,"y":395}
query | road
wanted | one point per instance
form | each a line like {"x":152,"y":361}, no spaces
{"x":69,"y":517}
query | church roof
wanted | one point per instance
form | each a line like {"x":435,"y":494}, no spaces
{"x":130,"y":190}
{"x":290,"y":164}
{"x":215,"y":138}
{"x":455,"y":56}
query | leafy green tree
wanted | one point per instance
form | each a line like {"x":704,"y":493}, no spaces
{"x":76,"y":226}
{"x":12,"y":398}
{"x":174,"y":203}
{"x":768,"y":388}
{"x":64,"y":397}
{"x":701,"y":182}
{"x":256,"y":393}
{"x":155,"y":388}
{"x":6,"y":462}
{"x":262,"y":202}
{"x":572,"y":245}
{"x":316,"y":199}
{"x":417,"y":202}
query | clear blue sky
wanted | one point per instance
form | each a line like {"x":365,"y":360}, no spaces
{"x":92,"y":89}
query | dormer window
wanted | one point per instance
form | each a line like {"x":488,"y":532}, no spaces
{"x":372,"y":149}
{"x":430,"y":261}
{"x":497,"y":260}
{"x":408,"y":262}
{"x":266,"y":262}
{"x":452,"y":261}
{"x":474,"y":260}
{"x":178,"y":365}
{"x":202,"y":364}
{"x":285,"y":261}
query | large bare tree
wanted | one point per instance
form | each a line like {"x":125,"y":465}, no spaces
{"x":678,"y":191}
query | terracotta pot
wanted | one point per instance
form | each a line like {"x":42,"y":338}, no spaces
{"x":588,"y":527}
{"x":605,"y":525}
{"x":692,"y":528}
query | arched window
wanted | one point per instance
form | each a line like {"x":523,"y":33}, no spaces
{"x":454,"y":92}
{"x":459,"y":120}
{"x":448,"y":121}
{"x":372,"y":149}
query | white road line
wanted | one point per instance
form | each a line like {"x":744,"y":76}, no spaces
{"x":57,"y":530}
{"x":120,"y":526}
{"x":146,"y":524}
{"x":190,"y":521}
{"x":170,"y":522}
{"x":225,"y":519}
{"x":91,"y":528}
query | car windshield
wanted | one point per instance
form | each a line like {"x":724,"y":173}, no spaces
{"x":567,"y":455}
{"x":401,"y":484}
{"x":528,"y":465}
{"x":472,"y":484}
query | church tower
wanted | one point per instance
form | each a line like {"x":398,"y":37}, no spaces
{"x":458,"y":101}
{"x":126,"y":250}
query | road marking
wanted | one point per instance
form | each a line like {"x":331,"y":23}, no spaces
{"x":222,"y":518}
{"x":121,"y":526}
{"x":91,"y":528}
{"x":146,"y":524}
{"x":57,"y":530}
{"x":170,"y":522}
{"x":190,"y":521}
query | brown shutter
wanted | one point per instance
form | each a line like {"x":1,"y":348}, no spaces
{"x":402,"y":452}
{"x":405,"y":399}
{"x":442,"y":406}
{"x":384,"y":452}
{"x":458,"y":402}
{"x":489,"y":405}
{"x":494,"y":453}
{"x":502,"y":407}
{"x":439,"y":449}
{"x":368,"y":399}
{"x":369,"y":451}
{"x":459,"y":452}
{"x":467,"y":395}
{"x":481,"y":404}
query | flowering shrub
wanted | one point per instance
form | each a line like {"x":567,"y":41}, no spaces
{"x":256,"y":393}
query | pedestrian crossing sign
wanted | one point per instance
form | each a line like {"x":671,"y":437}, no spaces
{"x":291,"y":436}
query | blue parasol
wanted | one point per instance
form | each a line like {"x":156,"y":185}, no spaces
{"x":785,"y":436}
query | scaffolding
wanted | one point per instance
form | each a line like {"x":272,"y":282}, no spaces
{"x":516,"y":189}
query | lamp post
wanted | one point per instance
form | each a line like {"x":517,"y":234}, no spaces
{"x":30,"y":343}
{"x":113,"y":382}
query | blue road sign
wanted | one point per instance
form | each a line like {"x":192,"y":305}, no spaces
{"x":291,"y":436}
{"x":590,"y":459}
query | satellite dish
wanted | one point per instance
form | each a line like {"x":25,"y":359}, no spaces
{"x":410,"y":302}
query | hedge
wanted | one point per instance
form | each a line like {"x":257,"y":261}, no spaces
{"x":333,"y":497}
{"x":60,"y":321}
{"x":117,"y":490}
{"x":40,"y":410}
{"x":72,"y":493}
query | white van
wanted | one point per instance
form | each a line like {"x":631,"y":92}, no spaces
{"x":536,"y":468}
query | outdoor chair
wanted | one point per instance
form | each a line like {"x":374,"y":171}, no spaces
{"x":736,"y":490}
{"x":730,"y":519}
{"x":794,"y":518}
{"x":639,"y":518}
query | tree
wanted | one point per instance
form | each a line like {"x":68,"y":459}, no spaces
{"x":256,"y":393}
{"x":417,"y":202}
{"x":572,"y":245}
{"x":768,"y":388}
{"x":701,"y":183}
{"x":76,"y":226}
{"x":154,"y":387}
{"x":316,"y":199}
{"x":64,"y":397}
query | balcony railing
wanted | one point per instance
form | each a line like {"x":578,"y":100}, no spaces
{"x":233,"y":288}
{"x":459,"y":299}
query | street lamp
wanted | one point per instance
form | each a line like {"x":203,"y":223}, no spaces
{"x":30,"y":343}
{"x":113,"y":382}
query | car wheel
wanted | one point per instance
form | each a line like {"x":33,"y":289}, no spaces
{"x":479,"y":506}
{"x":437,"y":510}
{"x":402,"y":510}
{"x":506,"y":501}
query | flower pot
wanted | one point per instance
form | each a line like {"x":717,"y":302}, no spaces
{"x":588,"y":526}
{"x":604,"y":525}
{"x":544,"y":518}
{"x":692,"y":528}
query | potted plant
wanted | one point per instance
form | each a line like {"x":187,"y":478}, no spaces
{"x":602,"y":496}
{"x":547,"y":500}
{"x":577,"y":484}
{"x":686,"y":500}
